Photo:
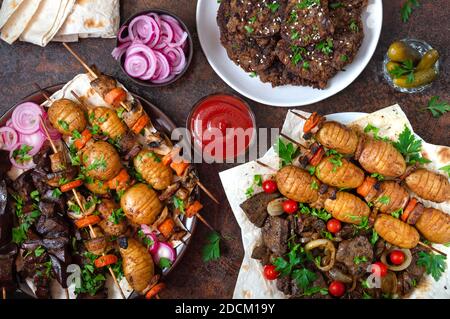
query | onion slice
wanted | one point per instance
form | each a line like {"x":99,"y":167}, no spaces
{"x":34,"y":140}
{"x":10,"y":138}
{"x":26,"y":117}
{"x":403,"y":266}
{"x":329,"y":250}
{"x":165,"y":250}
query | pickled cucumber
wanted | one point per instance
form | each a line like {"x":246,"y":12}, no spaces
{"x":420,"y":78}
{"x":428,"y":60}
{"x":391,"y":65}
{"x":401,"y":52}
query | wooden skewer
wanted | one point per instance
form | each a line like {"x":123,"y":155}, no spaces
{"x":432,"y":248}
{"x":294,"y":141}
{"x":267,"y":166}
{"x":208,"y":192}
{"x":91,"y":230}
{"x":3,"y":293}
{"x":299,"y":115}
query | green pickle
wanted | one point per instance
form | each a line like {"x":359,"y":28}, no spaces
{"x":420,"y":78}
{"x":401,"y":52}
{"x":391,"y":65}
{"x":428,"y":60}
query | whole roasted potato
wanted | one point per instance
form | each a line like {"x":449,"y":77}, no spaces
{"x":429,"y":185}
{"x":149,"y":165}
{"x":347,"y":208}
{"x":339,"y":173}
{"x":101,"y":161}
{"x":396,"y":232}
{"x":108,"y":121}
{"x":381,"y":157}
{"x":67,"y":116}
{"x":434,"y":225}
{"x":140,"y":204}
{"x":297,"y":184}
{"x":336,"y":136}
{"x":137,"y":264}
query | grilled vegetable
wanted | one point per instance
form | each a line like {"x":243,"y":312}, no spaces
{"x":97,"y":246}
{"x":434,"y":225}
{"x":396,"y":232}
{"x":152,"y":170}
{"x":137,"y":264}
{"x":336,"y":136}
{"x":108,"y":121}
{"x":101,"y":161}
{"x":339,"y":172}
{"x":429,"y":185}
{"x":378,"y":156}
{"x":347,"y":208}
{"x":67,"y":116}
{"x":390,"y":197}
{"x":297,"y":184}
{"x":141,"y":204}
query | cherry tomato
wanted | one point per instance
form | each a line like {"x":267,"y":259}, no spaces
{"x":397,"y":257}
{"x":333,"y":225}
{"x":270,"y":273}
{"x":269,"y":186}
{"x":336,"y":288}
{"x":290,"y":206}
{"x":379,"y":269}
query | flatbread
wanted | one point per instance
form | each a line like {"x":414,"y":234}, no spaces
{"x":8,"y":8}
{"x":391,"y":121}
{"x":19,"y":20}
{"x":93,"y":18}
{"x":47,"y":20}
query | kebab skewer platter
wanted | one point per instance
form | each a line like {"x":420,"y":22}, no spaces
{"x":103,"y":206}
{"x":349,"y":205}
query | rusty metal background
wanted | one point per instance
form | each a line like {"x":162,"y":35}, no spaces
{"x":23,"y":64}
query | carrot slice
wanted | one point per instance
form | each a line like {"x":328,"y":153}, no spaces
{"x":86,"y":221}
{"x":408,"y":209}
{"x":366,"y":186}
{"x":115,"y":96}
{"x":71,"y":185}
{"x":85,"y":137}
{"x":105,"y":260}
{"x":156,"y":289}
{"x":193,"y":208}
{"x":311,"y":122}
{"x":179,"y":167}
{"x":121,"y":179}
{"x":167,"y":159}
{"x":166,"y":228}
{"x":140,"y":124}
{"x":317,"y":157}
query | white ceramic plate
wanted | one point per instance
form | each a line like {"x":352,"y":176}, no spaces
{"x":287,"y":96}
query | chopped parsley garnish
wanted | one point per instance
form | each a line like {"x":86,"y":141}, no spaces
{"x":116,"y":216}
{"x":97,"y":164}
{"x":343,"y":58}
{"x":437,"y":107}
{"x":293,"y":16}
{"x":120,"y":111}
{"x":297,"y":54}
{"x":179,"y":204}
{"x":397,"y":213}
{"x":377,"y":176}
{"x":164,"y":263}
{"x":274,"y":6}
{"x":252,"y":20}
{"x":364,"y":222}
{"x":295,"y":35}
{"x":375,"y":132}
{"x":326,"y":47}
{"x":406,"y":68}
{"x":359,"y":259}
{"x":75,"y":134}
{"x":91,"y":280}
{"x":64,"y":125}
{"x":287,"y":152}
{"x":39,"y":251}
{"x":35,"y":195}
{"x":257,"y":181}
{"x":211,"y":251}
{"x":385,"y":200}
{"x":374,"y":237}
{"x":249,"y":29}
{"x":335,"y":159}
{"x":148,"y":242}
{"x":353,"y":26}
{"x":20,"y":233}
{"x":410,"y":147}
{"x":306,"y":65}
{"x":21,"y":154}
{"x":253,"y":74}
{"x":446,"y":169}
{"x":314,"y":185}
{"x":56,"y":193}
{"x":304,"y":4}
{"x":319,"y":213}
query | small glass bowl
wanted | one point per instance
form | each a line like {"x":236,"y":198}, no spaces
{"x":422,"y":47}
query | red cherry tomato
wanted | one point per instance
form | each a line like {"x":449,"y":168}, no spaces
{"x":379,"y":269}
{"x":336,"y":288}
{"x":397,"y":257}
{"x":333,"y":225}
{"x":269,"y":186}
{"x":290,"y":206}
{"x":270,"y":273}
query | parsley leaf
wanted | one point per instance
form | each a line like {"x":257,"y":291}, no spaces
{"x":407,"y":9}
{"x":287,"y":152}
{"x":437,"y":107}
{"x":179,"y":204}
{"x":326,"y":47}
{"x":446,"y":169}
{"x":410,"y":147}
{"x":359,"y":259}
{"x":377,"y":176}
{"x":273,"y":6}
{"x":319,"y":213}
{"x":397,"y":213}
{"x":116,"y":216}
{"x":434,"y":264}
{"x":211,"y":251}
{"x":164,"y":263}
{"x":385,"y":200}
{"x":249,"y":29}
{"x":374,"y":237}
{"x":303,"y":277}
{"x":406,"y":68}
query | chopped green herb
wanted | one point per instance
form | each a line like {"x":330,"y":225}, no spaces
{"x":303,"y":277}
{"x":164,"y":263}
{"x":326,"y":235}
{"x":319,"y":213}
{"x":375,"y":131}
{"x":353,"y":26}
{"x":437,"y":107}
{"x":304,"y":4}
{"x":21,"y":154}
{"x":56,"y":193}
{"x":374,"y":237}
{"x":314,"y":290}
{"x":295,"y":35}
{"x":406,"y":68}
{"x":410,"y":147}
{"x":287,"y":152}
{"x":252,"y":20}
{"x":359,"y":259}
{"x":39,"y":251}
{"x":377,"y":176}
{"x":434,"y":264}
{"x":314,"y":185}
{"x":120,"y":111}
{"x":407,"y":9}
{"x":397,"y":213}
{"x":343,"y":58}
{"x":35,"y":195}
{"x":385,"y":200}
{"x":446,"y":169}
{"x":253,"y":74}
{"x":306,"y":65}
{"x":274,"y":6}
{"x":116,"y":216}
{"x":312,"y":170}
{"x":179,"y":204}
{"x":64,"y":125}
{"x":249,"y":29}
{"x":326,"y":47}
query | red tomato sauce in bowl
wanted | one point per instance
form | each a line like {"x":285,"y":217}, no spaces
{"x":222,"y":126}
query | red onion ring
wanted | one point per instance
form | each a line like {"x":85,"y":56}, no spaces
{"x":141,"y":28}
{"x":165,"y":250}
{"x":9,"y":137}
{"x":136,"y":64}
{"x":34,"y":140}
{"x":120,"y":37}
{"x":52,"y":132}
{"x":25,"y":118}
{"x":25,"y":166}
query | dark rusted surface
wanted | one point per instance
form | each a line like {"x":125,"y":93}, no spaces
{"x":23,"y":64}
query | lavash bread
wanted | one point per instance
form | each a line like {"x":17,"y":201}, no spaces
{"x":19,"y":20}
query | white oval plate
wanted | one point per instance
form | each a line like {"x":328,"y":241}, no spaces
{"x":286,"y":96}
